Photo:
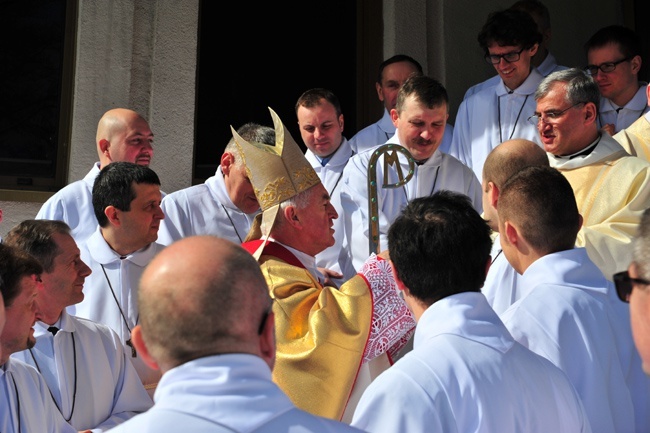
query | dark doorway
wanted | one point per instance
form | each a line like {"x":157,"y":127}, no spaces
{"x":265,"y":55}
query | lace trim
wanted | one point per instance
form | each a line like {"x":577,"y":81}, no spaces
{"x":392,"y":322}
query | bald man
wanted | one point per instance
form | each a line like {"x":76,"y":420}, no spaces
{"x":503,"y":161}
{"x":217,"y":351}
{"x":122,"y":135}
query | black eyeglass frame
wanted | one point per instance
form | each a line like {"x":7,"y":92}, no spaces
{"x":552,"y":115}
{"x":489,"y":58}
{"x":610,"y":66}
{"x":623,"y":283}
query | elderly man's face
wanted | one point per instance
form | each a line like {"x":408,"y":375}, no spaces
{"x":317,"y":219}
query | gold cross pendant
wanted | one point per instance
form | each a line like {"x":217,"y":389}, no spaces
{"x":130,"y":344}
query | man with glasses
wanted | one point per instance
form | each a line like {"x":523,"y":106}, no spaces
{"x":543,"y":60}
{"x":633,"y":286}
{"x":498,"y":113}
{"x":614,"y":61}
{"x":611,"y":187}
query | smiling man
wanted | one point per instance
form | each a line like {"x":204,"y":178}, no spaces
{"x":498,"y":113}
{"x":27,"y":405}
{"x":76,"y":356}
{"x":611,"y":187}
{"x":420,"y":118}
{"x":126,"y":200}
{"x":614,"y":61}
{"x":327,"y":337}
{"x":122,"y":135}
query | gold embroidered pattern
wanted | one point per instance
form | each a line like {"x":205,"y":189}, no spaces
{"x":275,"y":192}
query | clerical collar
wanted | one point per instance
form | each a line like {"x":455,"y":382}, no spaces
{"x":309,"y":262}
{"x":421,"y":161}
{"x":584,"y":152}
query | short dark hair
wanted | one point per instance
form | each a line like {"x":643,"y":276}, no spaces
{"x":440,"y":246}
{"x":311,"y":98}
{"x":541,"y":201}
{"x":628,"y":41}
{"x":14,"y":265}
{"x":536,"y":9}
{"x":427,"y":91}
{"x":395,"y":59}
{"x":114,"y":187}
{"x":35,"y":238}
{"x":509,"y":27}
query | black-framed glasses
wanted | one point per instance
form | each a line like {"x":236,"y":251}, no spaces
{"x":495,"y":59}
{"x":604,"y":67}
{"x":623,"y":283}
{"x":550,"y":117}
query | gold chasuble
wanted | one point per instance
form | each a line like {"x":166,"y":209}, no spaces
{"x":612,"y":190}
{"x":635,"y":139}
{"x":325,"y":335}
{"x":321,"y":333}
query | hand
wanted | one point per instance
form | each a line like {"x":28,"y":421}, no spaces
{"x":329,"y":275}
{"x":609,"y":128}
{"x":384,"y":255}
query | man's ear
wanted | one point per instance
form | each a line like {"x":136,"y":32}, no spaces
{"x":267,"y":340}
{"x":291,"y":217}
{"x":511,"y":233}
{"x":590,"y":113}
{"x":104,"y":144}
{"x":227,"y":160}
{"x":493,"y":194}
{"x":636,"y":64}
{"x":113,"y":214}
{"x":141,"y":348}
{"x":398,"y":282}
{"x":380,"y":93}
{"x":633,"y":270}
{"x":394,"y":116}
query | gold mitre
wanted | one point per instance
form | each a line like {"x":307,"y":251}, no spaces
{"x":277,"y":173}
